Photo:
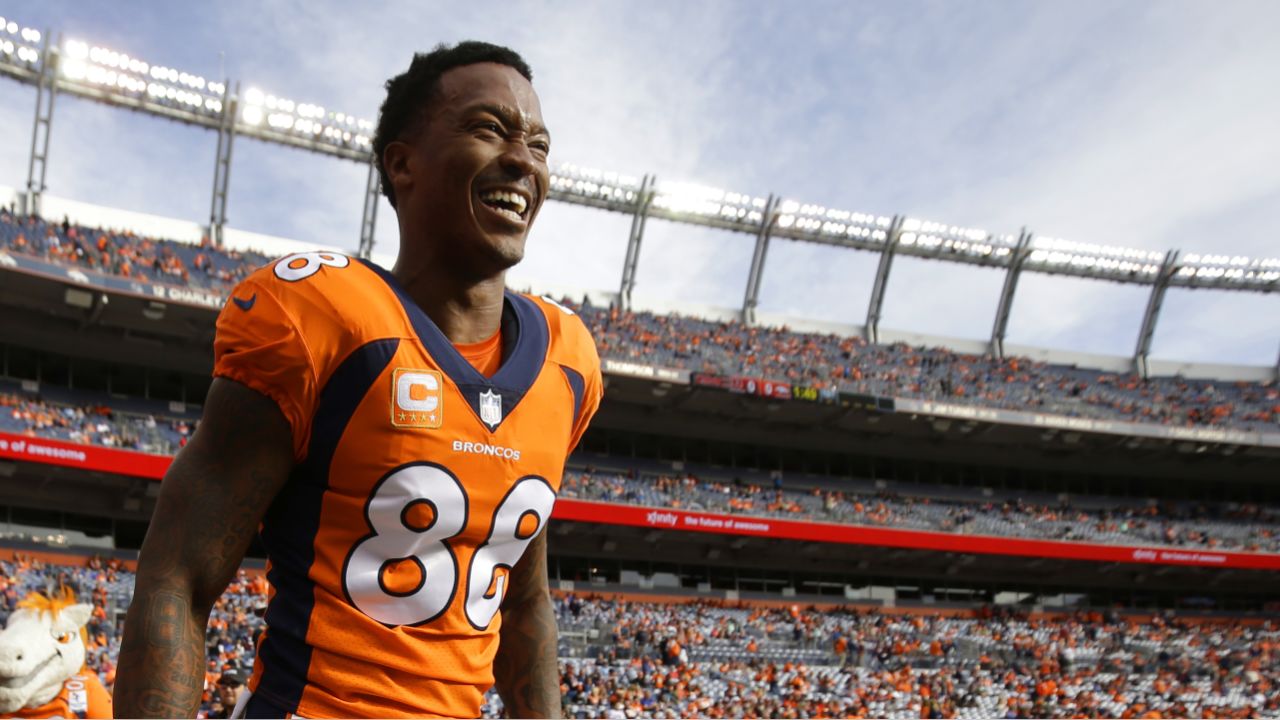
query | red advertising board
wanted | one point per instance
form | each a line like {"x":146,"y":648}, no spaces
{"x":85,"y":457}
{"x":125,"y":462}
{"x":614,"y":514}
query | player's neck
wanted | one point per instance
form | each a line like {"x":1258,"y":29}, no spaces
{"x":466,"y":312}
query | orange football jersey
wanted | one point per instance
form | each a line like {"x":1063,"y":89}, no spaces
{"x":419,"y":482}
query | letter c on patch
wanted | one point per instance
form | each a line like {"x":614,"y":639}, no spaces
{"x":417,"y":392}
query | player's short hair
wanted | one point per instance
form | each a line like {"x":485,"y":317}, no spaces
{"x":410,"y":94}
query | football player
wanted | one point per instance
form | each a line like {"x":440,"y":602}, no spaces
{"x":396,"y":438}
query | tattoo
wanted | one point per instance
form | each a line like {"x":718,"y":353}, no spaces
{"x":210,"y":504}
{"x":166,"y":620}
{"x":162,"y":632}
{"x":525,"y":670}
{"x":158,"y":703}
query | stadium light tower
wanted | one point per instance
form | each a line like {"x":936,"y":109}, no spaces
{"x":44,"y":61}
{"x":767,"y":222}
{"x":369,"y":219}
{"x":1016,"y":261}
{"x":1154,"y":302}
{"x":222,"y":167}
{"x":881,"y":282}
{"x":644,"y":199}
{"x":97,"y":73}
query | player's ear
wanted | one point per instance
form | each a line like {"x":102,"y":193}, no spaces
{"x":397,"y":160}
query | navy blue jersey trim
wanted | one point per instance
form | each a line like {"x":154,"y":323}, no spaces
{"x":520,"y":367}
{"x":578,"y":385}
{"x":260,"y":706}
{"x":292,"y":522}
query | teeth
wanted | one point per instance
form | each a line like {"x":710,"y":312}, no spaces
{"x":509,"y":213}
{"x":516,"y":201}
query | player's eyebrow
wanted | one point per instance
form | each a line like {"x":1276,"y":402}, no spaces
{"x":511,"y":118}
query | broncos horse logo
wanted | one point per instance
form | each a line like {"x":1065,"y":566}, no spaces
{"x":42,"y":654}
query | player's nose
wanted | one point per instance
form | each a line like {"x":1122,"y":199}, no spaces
{"x":517,"y":160}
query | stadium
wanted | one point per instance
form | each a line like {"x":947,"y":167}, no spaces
{"x":769,"y":517}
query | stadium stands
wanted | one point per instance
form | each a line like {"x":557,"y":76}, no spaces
{"x":627,"y":657}
{"x":92,"y":424}
{"x":125,"y":254}
{"x":850,"y":364}
{"x":1246,"y":527}
{"x":715,"y":661}
{"x":1237,"y":527}
{"x":823,"y":362}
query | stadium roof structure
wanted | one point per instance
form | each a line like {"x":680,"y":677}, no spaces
{"x":97,"y":73}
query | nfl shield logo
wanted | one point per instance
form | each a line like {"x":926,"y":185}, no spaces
{"x":491,"y":408}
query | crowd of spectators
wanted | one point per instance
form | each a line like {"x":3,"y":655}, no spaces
{"x":1204,"y":526}
{"x":623,"y":658}
{"x":851,"y":364}
{"x":825,"y":362}
{"x":94,"y":424}
{"x":127,"y":254}
{"x":704,"y":659}
{"x":1243,"y":527}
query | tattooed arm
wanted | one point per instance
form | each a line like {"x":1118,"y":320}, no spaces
{"x":525,"y":670}
{"x":210,"y":504}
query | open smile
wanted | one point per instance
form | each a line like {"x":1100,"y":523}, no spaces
{"x":510,"y":204}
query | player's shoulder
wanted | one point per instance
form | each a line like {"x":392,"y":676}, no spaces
{"x":319,"y":284}
{"x":315,"y":273}
{"x":307,"y":309}
{"x":570,"y":339}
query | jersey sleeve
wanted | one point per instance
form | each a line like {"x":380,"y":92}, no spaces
{"x":259,"y":344}
{"x":576,"y":350}
{"x":593,"y":393}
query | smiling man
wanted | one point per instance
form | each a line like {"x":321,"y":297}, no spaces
{"x":400,"y":436}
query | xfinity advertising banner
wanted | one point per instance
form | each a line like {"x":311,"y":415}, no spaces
{"x":612,"y":514}
{"x":136,"y":464}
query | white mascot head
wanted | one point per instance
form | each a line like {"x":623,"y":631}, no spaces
{"x":41,"y":647}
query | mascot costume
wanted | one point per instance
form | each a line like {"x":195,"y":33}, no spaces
{"x":42,"y":653}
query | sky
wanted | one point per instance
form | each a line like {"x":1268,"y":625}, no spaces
{"x":1149,"y":125}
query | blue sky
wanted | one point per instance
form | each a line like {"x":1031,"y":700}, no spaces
{"x":1143,"y":124}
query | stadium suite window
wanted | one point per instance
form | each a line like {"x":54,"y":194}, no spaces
{"x":723,"y":579}
{"x":128,"y":380}
{"x":33,"y":517}
{"x":89,"y":375}
{"x":88,"y":524}
{"x":21,"y":364}
{"x":55,"y":370}
{"x":581,"y":570}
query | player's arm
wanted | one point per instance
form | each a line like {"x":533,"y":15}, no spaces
{"x":210,"y":504}
{"x":525,"y":670}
